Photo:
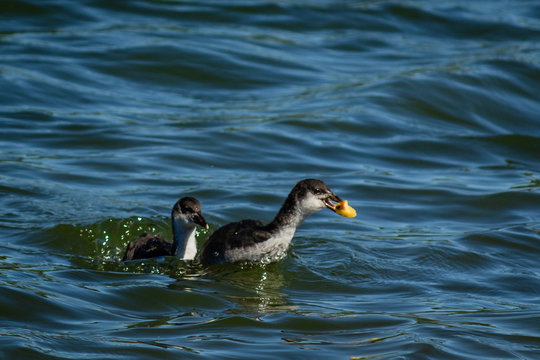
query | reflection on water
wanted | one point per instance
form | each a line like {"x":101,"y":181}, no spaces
{"x":257,"y":289}
{"x":254,"y":288}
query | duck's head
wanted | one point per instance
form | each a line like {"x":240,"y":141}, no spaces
{"x":314,"y":195}
{"x":187,"y":213}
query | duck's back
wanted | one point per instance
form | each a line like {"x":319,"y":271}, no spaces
{"x":235,"y":236}
{"x":148,"y":246}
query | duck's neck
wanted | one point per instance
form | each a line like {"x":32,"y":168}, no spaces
{"x":289,"y":217}
{"x":184,"y":242}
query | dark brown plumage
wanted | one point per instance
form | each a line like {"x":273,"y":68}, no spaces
{"x":148,"y":246}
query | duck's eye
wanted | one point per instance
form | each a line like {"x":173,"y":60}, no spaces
{"x":318,"y":191}
{"x":187,"y":210}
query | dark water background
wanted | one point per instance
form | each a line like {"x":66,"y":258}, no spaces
{"x":425,"y":115}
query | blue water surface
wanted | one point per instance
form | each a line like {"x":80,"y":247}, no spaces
{"x":423,"y":115}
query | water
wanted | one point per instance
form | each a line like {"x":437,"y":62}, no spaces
{"x":424,"y":115}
